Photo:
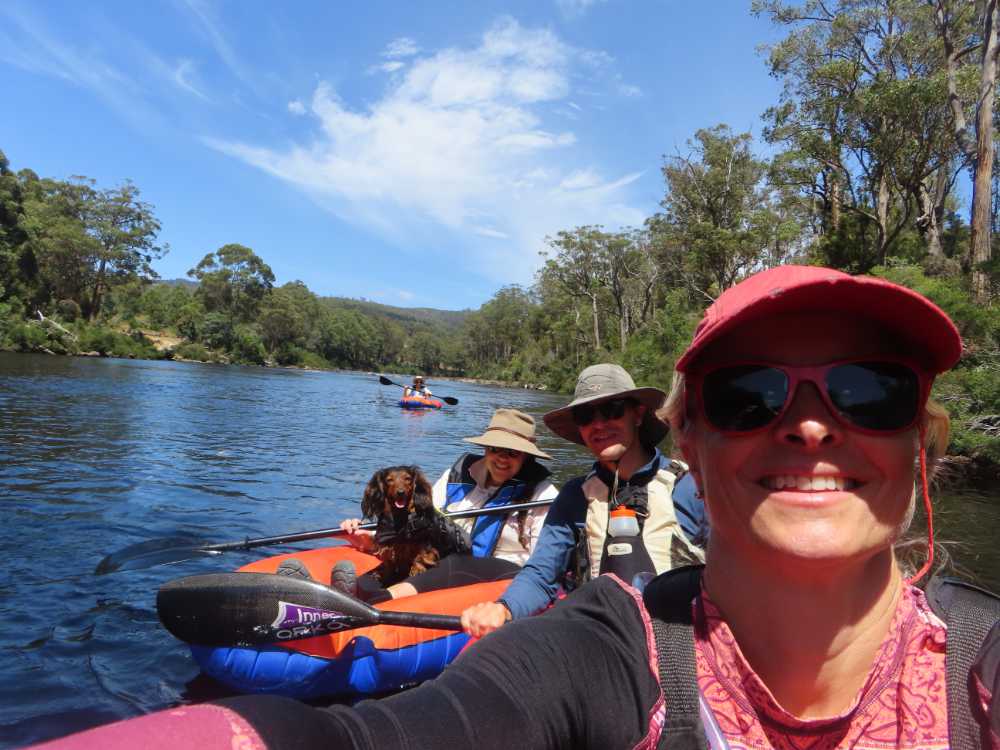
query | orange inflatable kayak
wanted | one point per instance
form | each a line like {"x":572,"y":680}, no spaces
{"x":362,"y":661}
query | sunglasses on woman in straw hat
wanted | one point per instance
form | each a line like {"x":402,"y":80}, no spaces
{"x":510,"y":430}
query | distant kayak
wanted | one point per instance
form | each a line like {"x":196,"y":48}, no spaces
{"x":419,"y":402}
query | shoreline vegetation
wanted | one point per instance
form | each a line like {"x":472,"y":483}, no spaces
{"x":862,"y":169}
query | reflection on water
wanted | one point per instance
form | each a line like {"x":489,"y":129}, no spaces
{"x":99,"y":454}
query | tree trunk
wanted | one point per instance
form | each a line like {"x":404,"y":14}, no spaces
{"x":95,"y":300}
{"x":834,"y":202}
{"x":979,"y":242}
{"x":928,"y":222}
{"x":597,"y":323}
{"x":882,"y":212}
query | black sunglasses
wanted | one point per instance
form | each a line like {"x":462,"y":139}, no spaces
{"x":584,"y":414}
{"x":509,"y":452}
{"x":871,"y":396}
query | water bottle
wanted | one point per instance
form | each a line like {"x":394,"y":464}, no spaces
{"x":623,"y":522}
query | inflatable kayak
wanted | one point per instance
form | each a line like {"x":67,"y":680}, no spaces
{"x":419,"y":402}
{"x":363,"y":661}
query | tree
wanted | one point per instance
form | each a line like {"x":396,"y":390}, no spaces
{"x":966,"y":28}
{"x":125,"y":230}
{"x":233,"y":280}
{"x":86,"y":240}
{"x":577,"y":269}
{"x":864,"y":117}
{"x":282,"y":320}
{"x":722,"y":219}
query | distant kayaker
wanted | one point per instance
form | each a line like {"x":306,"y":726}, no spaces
{"x":506,"y":473}
{"x":619,"y":517}
{"x":418,"y":389}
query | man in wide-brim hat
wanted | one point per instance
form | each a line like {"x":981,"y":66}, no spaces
{"x":618,"y":518}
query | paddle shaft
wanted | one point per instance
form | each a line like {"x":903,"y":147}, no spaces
{"x":337,"y":531}
{"x":420,"y":620}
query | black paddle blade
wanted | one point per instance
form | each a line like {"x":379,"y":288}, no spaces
{"x":149,"y":553}
{"x":385,"y":381}
{"x":450,"y":400}
{"x":252,"y":609}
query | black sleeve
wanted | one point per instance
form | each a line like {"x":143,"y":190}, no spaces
{"x":577,"y":676}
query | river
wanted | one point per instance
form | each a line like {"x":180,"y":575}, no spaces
{"x":98,"y":454}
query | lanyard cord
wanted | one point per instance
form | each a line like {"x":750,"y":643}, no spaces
{"x":930,"y":514}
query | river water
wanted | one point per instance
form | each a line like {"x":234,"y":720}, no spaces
{"x":98,"y":454}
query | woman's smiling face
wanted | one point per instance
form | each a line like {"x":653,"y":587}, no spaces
{"x":807,"y":487}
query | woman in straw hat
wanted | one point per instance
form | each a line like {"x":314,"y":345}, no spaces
{"x":506,"y":473}
{"x":619,"y":518}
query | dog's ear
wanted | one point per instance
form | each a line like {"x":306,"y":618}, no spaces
{"x":372,"y":501}
{"x":422,"y":490}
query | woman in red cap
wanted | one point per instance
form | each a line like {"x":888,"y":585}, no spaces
{"x":802,"y":406}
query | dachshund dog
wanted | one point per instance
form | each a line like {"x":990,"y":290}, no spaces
{"x":411,"y":536}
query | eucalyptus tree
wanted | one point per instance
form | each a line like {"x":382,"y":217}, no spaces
{"x":721,"y":219}
{"x":864,"y":116}
{"x":234,"y":281}
{"x":968,"y":31}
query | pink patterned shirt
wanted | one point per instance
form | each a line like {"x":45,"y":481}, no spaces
{"x":903,"y":703}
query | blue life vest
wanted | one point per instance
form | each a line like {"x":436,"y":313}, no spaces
{"x":486,"y":530}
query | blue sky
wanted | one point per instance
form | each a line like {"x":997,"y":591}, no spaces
{"x":416,"y":154}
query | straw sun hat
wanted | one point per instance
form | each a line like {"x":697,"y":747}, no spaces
{"x":606,"y":382}
{"x":510,"y":428}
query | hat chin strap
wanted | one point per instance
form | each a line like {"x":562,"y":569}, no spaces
{"x":930,"y":514}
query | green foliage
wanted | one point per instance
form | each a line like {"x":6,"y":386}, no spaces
{"x":111,"y":343}
{"x":69,"y":310}
{"x":27,"y":337}
{"x":193,"y":351}
{"x":246,"y":346}
{"x":233,"y":280}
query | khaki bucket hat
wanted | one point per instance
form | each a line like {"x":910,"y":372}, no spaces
{"x":605,"y":382}
{"x":510,"y":428}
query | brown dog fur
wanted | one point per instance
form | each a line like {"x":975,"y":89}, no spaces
{"x":389,"y":493}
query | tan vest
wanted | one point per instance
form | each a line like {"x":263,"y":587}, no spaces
{"x":661,"y":534}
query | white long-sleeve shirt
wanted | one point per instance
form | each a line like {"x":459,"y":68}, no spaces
{"x":509,"y":545}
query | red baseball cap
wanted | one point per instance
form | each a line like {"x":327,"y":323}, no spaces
{"x":811,"y":288}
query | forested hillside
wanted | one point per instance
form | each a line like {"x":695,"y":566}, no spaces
{"x":883,"y":127}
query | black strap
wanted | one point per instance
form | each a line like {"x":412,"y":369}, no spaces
{"x":969,"y":612}
{"x":668,"y":599}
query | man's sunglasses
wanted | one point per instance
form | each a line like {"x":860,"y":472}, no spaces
{"x":509,"y":452}
{"x":870,"y":396}
{"x":584,"y":414}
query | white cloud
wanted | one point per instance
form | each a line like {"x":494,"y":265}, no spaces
{"x":217,"y":37}
{"x":182,"y":75}
{"x":296,"y":107}
{"x":576,"y":7}
{"x":401,"y":47}
{"x":459,"y":142}
{"x":627,"y":89}
{"x":391,"y":67}
{"x":487,"y":232}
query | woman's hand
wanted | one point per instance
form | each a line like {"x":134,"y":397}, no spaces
{"x":483,"y":618}
{"x":360,"y":539}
